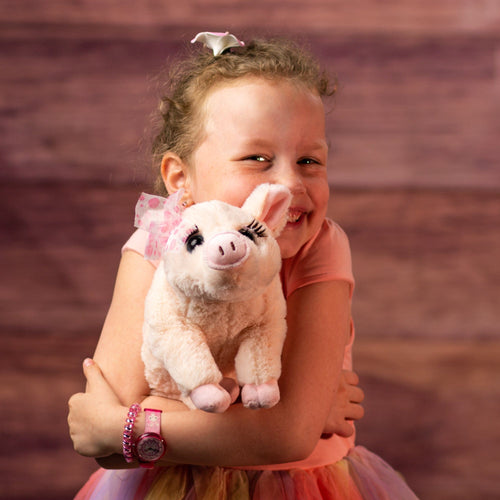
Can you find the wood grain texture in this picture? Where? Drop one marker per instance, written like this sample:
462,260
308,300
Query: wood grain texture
425,16
419,100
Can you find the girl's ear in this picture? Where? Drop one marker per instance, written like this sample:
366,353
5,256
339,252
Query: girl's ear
174,173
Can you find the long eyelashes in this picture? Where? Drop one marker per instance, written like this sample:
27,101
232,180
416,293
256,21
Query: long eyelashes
193,239
257,228
253,230
190,232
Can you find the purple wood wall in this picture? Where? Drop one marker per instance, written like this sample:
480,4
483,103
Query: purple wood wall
419,102
415,182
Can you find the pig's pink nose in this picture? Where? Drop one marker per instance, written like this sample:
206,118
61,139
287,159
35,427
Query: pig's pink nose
225,250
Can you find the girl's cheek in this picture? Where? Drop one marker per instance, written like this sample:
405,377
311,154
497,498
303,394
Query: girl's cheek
233,196
236,194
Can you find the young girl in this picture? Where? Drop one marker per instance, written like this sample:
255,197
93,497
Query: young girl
242,116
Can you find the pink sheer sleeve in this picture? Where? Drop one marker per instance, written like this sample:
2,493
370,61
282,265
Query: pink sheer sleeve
137,243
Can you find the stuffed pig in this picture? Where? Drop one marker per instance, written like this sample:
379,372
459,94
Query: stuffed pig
215,311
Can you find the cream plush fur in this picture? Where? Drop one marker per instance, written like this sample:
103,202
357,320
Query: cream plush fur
216,309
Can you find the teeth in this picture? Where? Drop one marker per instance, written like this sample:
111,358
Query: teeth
294,215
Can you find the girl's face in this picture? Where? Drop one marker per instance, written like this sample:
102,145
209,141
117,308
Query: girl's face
260,131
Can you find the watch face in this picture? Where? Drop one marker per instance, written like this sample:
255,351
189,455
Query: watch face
150,447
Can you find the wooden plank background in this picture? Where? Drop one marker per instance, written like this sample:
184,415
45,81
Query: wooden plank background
419,102
415,183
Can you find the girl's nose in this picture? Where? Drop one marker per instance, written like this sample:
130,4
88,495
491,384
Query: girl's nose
291,178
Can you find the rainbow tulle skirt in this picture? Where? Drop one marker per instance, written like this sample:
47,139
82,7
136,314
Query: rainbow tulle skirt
361,475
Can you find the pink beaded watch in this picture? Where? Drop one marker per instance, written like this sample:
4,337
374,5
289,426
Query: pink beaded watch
150,446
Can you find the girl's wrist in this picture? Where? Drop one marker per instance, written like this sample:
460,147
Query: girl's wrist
115,429
128,432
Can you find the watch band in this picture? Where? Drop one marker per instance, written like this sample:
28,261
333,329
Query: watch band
153,421
150,446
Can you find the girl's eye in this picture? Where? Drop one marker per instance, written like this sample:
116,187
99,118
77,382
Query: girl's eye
193,240
308,161
257,158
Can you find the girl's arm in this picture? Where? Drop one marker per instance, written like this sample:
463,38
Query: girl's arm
318,325
118,351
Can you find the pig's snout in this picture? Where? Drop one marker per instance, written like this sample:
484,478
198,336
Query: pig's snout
226,250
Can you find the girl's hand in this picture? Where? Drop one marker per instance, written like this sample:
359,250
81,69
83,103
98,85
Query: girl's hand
346,406
94,416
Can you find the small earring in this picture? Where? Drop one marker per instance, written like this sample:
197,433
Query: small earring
186,203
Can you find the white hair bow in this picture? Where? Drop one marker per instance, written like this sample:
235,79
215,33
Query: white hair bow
218,42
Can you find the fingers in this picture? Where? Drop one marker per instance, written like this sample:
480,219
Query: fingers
92,373
355,394
346,406
355,412
351,385
345,429
89,367
351,377
96,382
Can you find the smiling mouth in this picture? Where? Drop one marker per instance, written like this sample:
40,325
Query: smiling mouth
294,216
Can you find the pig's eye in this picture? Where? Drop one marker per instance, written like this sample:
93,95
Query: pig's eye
257,228
245,231
254,230
193,240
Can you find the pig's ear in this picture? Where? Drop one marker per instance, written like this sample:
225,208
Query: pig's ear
269,203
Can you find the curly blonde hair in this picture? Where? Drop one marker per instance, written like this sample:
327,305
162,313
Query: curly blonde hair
191,80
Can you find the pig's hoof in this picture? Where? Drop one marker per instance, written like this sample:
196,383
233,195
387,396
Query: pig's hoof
260,396
210,397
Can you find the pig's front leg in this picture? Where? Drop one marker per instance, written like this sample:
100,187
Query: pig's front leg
185,353
258,365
